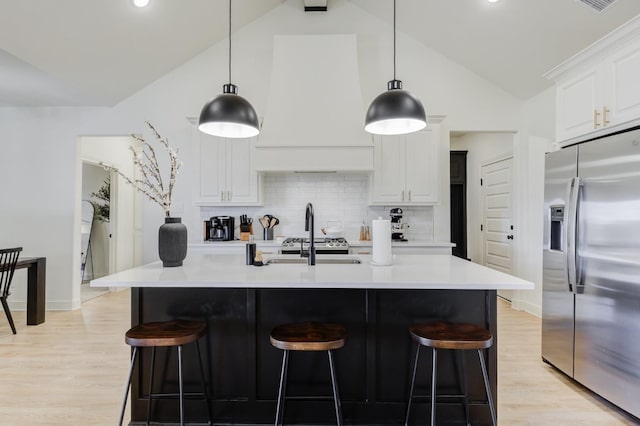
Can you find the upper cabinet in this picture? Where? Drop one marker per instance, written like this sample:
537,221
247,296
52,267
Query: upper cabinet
226,174
597,90
406,168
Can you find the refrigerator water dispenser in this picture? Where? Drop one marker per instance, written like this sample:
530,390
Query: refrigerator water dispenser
557,227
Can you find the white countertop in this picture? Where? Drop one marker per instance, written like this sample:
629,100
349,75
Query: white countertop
230,271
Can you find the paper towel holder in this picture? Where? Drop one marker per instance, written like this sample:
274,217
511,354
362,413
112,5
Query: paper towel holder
381,254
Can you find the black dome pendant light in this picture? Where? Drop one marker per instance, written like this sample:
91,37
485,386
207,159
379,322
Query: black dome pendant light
396,111
229,115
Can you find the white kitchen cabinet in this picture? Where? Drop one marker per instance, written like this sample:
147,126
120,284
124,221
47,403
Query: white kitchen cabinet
406,168
597,90
389,163
622,94
226,174
578,103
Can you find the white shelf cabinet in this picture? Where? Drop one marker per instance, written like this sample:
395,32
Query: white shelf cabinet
597,90
226,175
406,168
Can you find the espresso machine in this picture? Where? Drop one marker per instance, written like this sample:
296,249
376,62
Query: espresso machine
397,226
221,228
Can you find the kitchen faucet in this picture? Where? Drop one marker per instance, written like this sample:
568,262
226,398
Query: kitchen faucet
308,226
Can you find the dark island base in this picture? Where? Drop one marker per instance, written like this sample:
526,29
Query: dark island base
373,368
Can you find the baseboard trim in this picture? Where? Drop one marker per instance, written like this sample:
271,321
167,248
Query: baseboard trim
519,305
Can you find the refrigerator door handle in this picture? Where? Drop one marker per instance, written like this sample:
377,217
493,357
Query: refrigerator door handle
579,283
572,220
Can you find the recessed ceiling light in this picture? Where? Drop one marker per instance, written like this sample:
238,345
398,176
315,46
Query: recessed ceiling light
493,1
140,3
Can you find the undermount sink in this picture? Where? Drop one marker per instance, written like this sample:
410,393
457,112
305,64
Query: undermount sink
343,260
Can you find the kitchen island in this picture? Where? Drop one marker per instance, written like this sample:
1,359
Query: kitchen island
376,304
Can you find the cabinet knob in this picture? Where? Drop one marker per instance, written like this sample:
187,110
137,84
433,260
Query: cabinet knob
605,110
595,119
509,237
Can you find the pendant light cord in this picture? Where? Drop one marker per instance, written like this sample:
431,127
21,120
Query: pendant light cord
394,39
230,41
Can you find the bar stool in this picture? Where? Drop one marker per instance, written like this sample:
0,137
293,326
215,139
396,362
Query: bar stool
166,334
307,336
441,335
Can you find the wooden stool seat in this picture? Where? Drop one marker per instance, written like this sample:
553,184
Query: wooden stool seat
441,335
170,333
308,336
166,334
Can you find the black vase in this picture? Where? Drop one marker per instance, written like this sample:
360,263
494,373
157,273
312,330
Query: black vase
172,242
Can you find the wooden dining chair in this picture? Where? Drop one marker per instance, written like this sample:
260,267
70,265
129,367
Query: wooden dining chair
8,260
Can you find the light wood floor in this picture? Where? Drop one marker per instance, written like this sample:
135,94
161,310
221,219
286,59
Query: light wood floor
71,371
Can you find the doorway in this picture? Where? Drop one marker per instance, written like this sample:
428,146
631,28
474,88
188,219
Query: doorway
95,232
124,229
95,229
496,196
458,193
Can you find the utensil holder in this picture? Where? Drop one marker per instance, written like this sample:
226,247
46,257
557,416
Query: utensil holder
267,234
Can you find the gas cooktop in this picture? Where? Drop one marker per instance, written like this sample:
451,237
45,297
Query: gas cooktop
323,245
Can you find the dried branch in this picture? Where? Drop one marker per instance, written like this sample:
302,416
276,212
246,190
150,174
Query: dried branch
151,183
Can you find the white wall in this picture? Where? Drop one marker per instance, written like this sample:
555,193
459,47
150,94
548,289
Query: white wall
40,151
38,208
536,138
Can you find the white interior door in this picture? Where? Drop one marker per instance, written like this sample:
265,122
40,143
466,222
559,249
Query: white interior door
497,218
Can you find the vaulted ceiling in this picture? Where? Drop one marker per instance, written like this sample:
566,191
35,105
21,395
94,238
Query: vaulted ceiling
99,52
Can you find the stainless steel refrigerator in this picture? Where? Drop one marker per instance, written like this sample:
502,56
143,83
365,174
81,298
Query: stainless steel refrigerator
591,277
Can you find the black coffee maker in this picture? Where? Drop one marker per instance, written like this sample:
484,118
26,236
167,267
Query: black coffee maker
397,227
222,228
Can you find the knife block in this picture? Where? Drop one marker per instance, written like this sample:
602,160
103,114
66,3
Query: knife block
246,231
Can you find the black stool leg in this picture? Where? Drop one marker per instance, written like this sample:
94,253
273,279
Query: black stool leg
126,392
282,389
433,386
153,365
204,386
413,381
180,385
465,388
334,383
485,377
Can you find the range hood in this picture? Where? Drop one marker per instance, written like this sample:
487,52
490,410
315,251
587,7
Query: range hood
314,118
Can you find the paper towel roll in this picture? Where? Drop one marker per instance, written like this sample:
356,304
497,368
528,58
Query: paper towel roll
381,236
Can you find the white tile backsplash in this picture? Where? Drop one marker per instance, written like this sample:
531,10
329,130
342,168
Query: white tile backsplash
335,196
